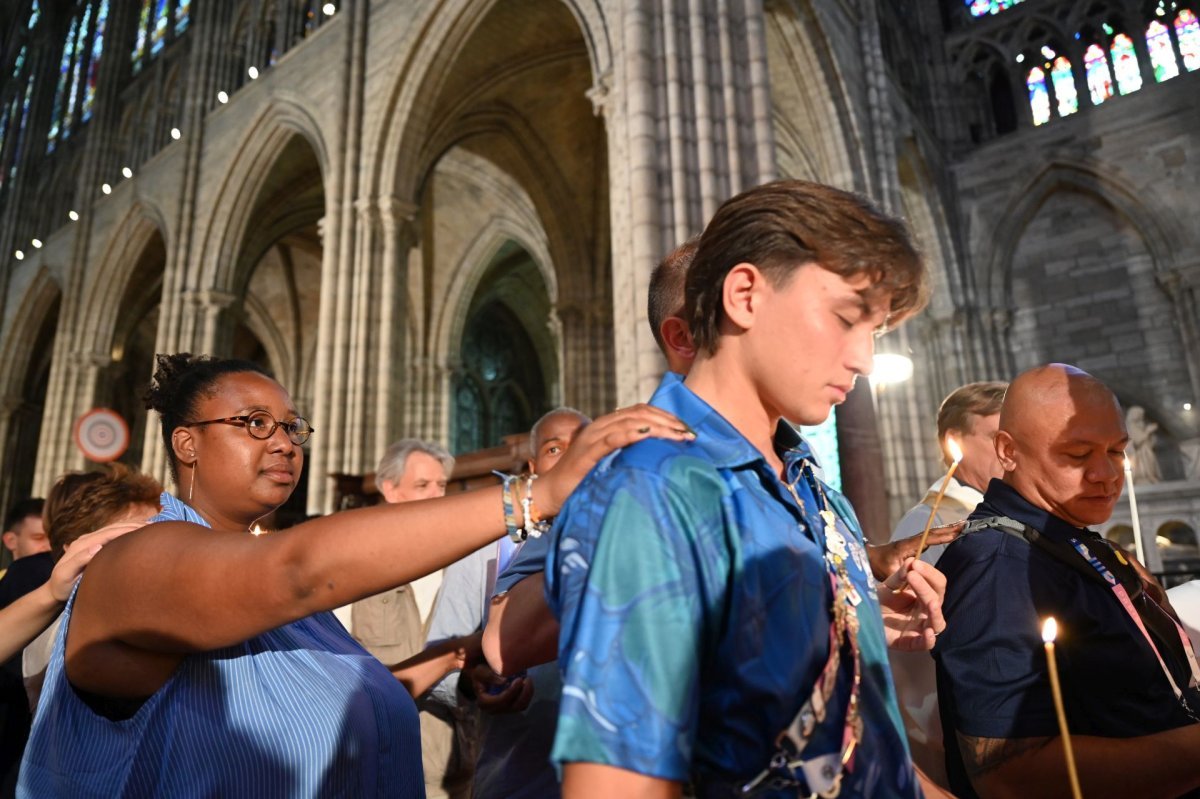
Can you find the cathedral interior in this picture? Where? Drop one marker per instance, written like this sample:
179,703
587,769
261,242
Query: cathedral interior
438,218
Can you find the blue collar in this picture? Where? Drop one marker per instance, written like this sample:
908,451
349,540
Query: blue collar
720,441
176,510
1005,499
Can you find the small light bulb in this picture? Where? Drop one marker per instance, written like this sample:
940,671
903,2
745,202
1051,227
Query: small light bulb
37,243
20,255
253,73
74,217
222,97
175,134
329,9
1020,58
1187,406
127,172
107,189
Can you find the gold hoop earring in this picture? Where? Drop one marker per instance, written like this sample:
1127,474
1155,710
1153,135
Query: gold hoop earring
192,484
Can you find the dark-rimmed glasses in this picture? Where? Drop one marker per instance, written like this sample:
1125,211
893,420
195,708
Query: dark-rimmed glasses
262,425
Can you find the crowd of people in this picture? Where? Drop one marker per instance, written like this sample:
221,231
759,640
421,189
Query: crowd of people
670,600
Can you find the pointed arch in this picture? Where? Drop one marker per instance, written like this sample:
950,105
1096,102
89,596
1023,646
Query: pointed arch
265,139
441,36
18,349
1152,220
103,294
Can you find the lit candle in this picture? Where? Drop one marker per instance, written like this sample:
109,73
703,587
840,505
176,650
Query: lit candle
257,530
1133,513
1049,633
956,454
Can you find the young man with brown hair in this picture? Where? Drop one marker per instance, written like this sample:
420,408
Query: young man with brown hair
720,625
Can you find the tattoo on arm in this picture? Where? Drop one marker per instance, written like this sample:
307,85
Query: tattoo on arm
982,756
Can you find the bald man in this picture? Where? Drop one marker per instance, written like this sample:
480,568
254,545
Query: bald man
1128,676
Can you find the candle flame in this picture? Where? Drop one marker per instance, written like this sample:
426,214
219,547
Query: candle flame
1128,463
955,450
1050,630
256,530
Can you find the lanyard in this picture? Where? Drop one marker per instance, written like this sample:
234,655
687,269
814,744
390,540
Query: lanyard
826,779
1123,597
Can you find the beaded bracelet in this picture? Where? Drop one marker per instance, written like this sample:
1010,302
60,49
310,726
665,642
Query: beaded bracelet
506,498
534,525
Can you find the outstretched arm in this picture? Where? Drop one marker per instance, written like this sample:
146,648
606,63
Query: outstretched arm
175,588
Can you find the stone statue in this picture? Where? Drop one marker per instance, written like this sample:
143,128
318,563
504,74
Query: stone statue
1142,436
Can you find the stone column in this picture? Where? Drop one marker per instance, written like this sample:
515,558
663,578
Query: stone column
399,234
338,450
688,122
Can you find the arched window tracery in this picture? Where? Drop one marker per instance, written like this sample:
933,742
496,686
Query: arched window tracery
160,22
78,71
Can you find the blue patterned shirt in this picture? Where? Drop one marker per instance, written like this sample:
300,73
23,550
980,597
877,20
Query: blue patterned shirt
695,612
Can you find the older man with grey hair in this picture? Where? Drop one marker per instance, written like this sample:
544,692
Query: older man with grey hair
392,625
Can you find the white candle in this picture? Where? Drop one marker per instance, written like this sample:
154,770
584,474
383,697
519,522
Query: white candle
1133,513
956,456
1049,633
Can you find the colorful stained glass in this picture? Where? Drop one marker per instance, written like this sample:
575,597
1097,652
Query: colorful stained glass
1162,54
19,64
93,72
1099,78
1187,31
1064,86
139,47
1129,76
60,93
20,133
981,8
158,35
1039,96
35,13
76,73
182,15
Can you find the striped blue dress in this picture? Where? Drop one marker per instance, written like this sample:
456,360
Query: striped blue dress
301,710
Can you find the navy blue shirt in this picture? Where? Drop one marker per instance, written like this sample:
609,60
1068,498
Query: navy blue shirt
991,663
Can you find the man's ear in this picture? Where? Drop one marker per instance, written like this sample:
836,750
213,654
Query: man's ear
389,489
183,442
10,541
1006,450
678,337
740,294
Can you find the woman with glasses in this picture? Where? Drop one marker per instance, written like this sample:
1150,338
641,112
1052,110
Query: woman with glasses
201,660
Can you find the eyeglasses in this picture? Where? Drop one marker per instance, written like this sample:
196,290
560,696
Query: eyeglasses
261,425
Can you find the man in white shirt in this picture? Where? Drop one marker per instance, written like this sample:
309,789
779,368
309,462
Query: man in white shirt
970,415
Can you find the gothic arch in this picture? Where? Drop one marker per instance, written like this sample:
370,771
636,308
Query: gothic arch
39,299
798,48
102,301
443,32
264,141
449,323
1150,218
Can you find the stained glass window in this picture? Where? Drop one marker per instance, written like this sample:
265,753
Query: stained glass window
981,8
182,15
93,72
1064,86
158,33
823,440
1039,96
80,49
139,47
60,93
1099,78
1187,31
159,23
19,139
1129,76
1162,54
